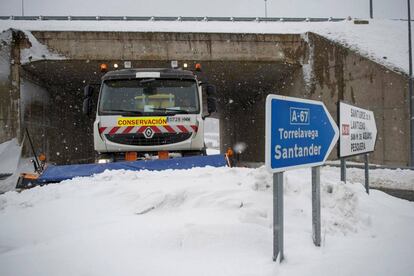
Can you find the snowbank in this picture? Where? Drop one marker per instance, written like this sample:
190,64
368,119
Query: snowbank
384,178
385,41
204,221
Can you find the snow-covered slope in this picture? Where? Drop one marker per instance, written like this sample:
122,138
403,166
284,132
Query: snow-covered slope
385,41
204,221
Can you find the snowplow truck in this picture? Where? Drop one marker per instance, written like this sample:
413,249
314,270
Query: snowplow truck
150,113
146,119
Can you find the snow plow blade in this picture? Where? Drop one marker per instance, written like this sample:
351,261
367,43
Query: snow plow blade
54,174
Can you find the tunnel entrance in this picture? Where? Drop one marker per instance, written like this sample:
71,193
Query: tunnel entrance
66,135
244,67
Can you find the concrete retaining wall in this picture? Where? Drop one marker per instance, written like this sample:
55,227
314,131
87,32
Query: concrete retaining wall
341,74
8,102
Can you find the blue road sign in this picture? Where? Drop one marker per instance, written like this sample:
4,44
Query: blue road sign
299,133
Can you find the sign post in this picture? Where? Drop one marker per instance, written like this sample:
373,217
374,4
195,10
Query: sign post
299,133
358,135
343,170
316,205
278,216
366,173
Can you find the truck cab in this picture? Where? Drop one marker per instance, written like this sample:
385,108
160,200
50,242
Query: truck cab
146,113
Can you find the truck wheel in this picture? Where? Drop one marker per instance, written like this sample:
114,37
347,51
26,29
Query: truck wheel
194,153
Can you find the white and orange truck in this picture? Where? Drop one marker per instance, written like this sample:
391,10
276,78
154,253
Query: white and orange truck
146,119
150,113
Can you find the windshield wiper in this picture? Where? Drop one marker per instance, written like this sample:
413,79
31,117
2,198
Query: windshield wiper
145,81
124,111
177,111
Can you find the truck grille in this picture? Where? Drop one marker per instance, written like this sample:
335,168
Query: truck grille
138,139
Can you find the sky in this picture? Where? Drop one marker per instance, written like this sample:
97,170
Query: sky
395,9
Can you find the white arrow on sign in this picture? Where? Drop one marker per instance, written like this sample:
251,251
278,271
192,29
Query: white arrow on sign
358,130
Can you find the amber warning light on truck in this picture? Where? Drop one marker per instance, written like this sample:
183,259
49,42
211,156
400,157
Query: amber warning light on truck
103,67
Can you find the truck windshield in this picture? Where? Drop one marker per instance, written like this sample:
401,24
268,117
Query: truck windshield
149,97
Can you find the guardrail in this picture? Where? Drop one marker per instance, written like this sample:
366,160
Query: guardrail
371,166
170,18
336,164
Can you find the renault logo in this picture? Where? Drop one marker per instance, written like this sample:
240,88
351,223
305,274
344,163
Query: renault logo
148,133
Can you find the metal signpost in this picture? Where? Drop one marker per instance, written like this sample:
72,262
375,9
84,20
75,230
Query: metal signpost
358,133
343,170
410,85
316,205
371,11
299,133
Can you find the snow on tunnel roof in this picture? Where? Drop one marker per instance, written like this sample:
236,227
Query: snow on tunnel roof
384,41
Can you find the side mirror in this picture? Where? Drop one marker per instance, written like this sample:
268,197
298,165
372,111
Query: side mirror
87,106
211,90
88,91
211,105
211,99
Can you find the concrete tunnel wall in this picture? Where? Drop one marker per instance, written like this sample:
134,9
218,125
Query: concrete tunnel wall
9,91
341,74
221,62
245,68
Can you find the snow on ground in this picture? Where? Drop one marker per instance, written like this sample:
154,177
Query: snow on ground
384,178
385,41
203,221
